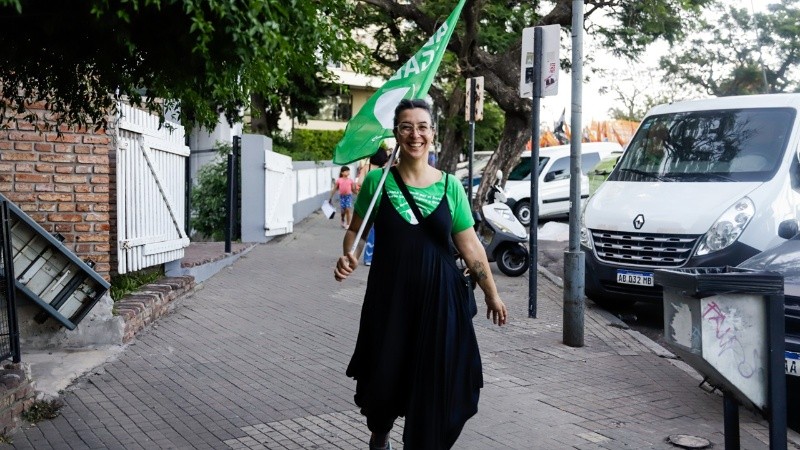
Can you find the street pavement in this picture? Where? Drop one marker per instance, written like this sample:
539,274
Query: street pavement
255,358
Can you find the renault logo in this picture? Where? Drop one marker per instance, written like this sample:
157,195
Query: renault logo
638,222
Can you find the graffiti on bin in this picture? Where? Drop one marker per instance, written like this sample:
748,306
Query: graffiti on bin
727,328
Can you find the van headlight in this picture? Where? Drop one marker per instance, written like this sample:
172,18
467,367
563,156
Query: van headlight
586,240
727,229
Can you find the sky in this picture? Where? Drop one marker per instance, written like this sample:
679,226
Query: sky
595,105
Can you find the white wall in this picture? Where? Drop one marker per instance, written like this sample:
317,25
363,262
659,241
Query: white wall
203,142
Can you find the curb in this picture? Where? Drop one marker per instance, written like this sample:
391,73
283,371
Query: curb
150,302
618,323
203,270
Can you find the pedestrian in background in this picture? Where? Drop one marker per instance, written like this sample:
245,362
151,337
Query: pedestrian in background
344,184
432,158
416,354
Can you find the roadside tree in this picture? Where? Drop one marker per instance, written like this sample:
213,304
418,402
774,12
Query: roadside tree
487,43
638,88
738,53
196,57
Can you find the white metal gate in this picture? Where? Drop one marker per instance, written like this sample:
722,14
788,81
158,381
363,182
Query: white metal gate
151,172
280,194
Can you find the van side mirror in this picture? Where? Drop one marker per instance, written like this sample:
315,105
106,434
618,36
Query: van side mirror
499,176
559,175
788,229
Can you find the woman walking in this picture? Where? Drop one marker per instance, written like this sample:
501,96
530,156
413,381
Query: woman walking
416,354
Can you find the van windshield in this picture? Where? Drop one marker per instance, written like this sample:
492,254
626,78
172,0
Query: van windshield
522,171
703,146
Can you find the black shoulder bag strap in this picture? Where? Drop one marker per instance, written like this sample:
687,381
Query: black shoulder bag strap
451,251
410,200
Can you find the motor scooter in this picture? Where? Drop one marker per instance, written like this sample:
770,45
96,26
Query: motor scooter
503,237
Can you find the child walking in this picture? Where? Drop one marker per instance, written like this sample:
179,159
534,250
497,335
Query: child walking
344,184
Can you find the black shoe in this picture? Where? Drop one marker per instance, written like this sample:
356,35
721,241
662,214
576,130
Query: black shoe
387,447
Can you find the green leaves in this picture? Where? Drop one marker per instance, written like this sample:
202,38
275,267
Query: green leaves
638,23
205,57
208,196
740,53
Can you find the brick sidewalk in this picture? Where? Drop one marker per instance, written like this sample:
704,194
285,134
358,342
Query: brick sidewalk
256,359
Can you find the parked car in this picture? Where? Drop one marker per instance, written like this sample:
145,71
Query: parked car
479,161
703,183
785,259
554,175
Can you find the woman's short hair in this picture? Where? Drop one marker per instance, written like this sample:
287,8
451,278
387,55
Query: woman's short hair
408,103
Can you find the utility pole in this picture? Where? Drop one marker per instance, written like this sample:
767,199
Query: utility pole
574,258
474,112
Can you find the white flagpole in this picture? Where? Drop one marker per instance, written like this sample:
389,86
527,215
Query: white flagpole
374,199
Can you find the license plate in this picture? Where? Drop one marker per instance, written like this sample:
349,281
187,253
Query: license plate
636,278
792,360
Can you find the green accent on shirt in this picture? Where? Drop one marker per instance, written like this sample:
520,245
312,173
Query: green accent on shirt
427,199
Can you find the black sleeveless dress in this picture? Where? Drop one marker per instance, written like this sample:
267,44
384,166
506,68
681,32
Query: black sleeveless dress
416,354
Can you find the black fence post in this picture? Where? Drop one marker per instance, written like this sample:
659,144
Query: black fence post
187,183
8,278
776,385
730,410
229,201
237,188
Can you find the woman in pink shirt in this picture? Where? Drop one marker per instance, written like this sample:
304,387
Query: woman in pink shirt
345,186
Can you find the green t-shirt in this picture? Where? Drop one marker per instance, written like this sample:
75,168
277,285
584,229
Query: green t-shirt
427,199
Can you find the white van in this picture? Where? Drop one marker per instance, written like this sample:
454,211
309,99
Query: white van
553,179
702,183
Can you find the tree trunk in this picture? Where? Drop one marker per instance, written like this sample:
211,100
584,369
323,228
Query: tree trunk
453,140
516,135
258,121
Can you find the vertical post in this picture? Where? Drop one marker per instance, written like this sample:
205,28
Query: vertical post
574,268
236,234
731,421
229,203
776,383
471,137
533,244
11,303
187,212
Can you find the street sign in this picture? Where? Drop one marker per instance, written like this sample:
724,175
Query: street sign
551,44
526,64
478,99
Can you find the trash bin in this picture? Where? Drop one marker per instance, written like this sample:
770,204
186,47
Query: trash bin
725,322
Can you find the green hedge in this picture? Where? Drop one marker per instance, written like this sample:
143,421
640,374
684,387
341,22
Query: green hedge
208,196
310,145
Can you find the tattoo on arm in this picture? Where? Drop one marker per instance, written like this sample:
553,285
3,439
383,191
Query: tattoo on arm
477,271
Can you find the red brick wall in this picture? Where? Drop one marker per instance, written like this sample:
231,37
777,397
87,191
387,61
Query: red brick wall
63,183
17,394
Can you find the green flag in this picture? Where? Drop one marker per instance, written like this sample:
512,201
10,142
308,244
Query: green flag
373,123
